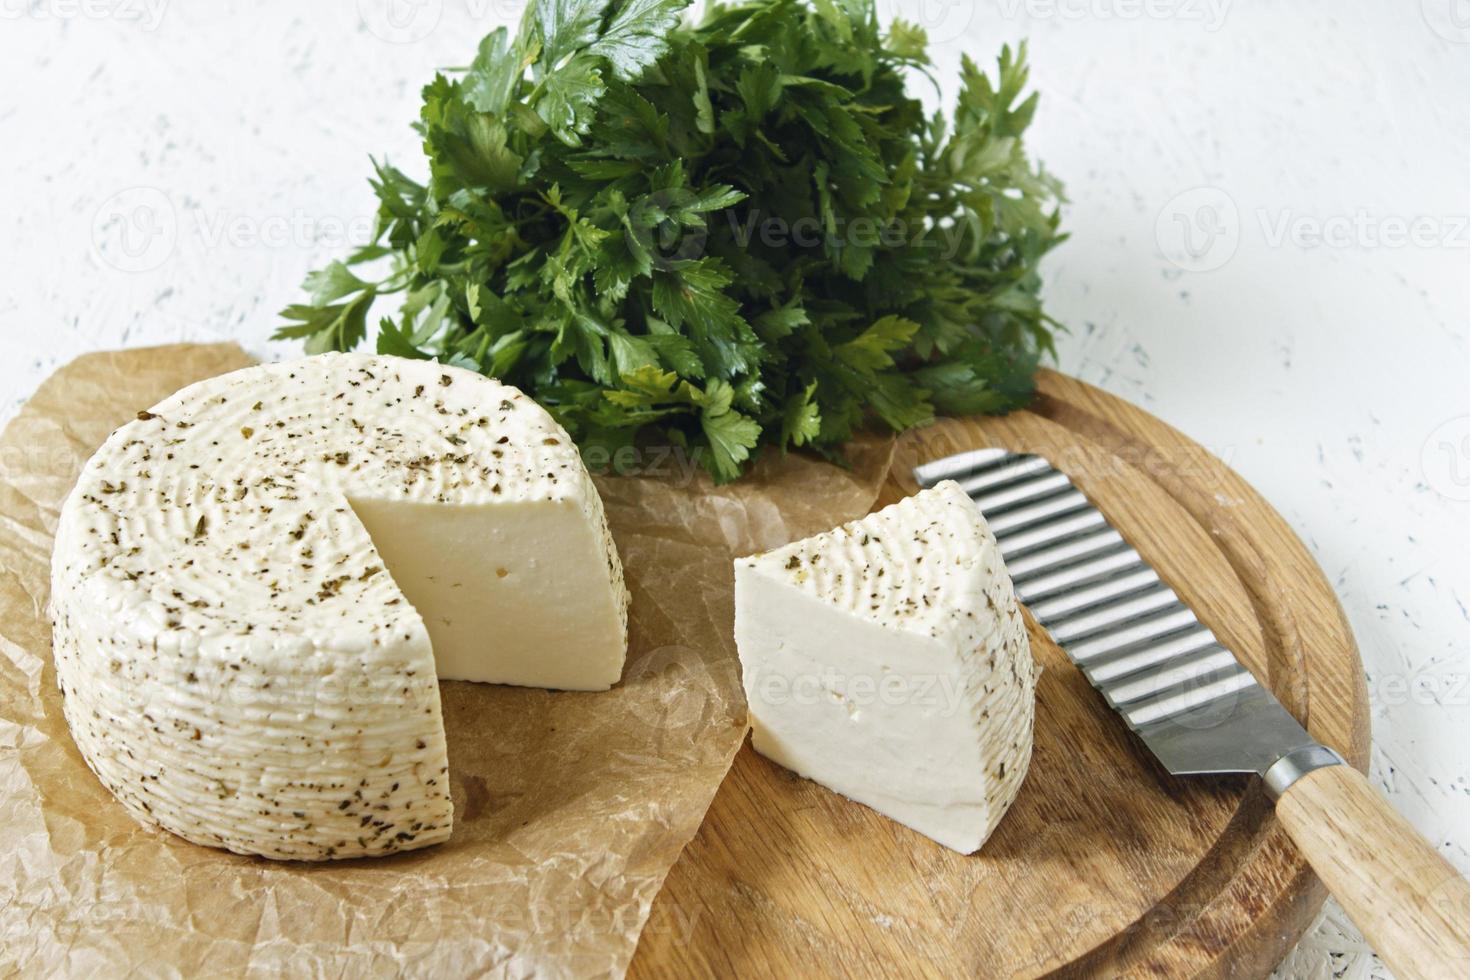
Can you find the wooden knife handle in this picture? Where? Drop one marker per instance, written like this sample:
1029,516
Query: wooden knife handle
1410,903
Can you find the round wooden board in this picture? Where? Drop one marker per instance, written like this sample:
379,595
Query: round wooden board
1105,865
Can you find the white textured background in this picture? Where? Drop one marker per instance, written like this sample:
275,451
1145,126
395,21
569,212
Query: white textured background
1271,250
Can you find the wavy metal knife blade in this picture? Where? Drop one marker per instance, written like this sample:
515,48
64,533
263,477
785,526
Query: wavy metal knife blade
1189,698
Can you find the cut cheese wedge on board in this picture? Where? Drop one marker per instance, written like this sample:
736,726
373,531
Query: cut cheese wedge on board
887,660
258,582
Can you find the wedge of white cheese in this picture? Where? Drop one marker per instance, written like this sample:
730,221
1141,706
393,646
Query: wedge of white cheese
887,660
257,583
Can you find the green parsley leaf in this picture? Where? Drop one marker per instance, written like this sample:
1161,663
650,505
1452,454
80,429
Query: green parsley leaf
637,35
721,235
566,26
569,100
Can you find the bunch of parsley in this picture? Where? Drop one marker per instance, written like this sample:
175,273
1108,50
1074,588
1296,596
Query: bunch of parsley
715,236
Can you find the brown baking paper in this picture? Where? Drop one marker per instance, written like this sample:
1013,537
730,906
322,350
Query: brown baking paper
569,807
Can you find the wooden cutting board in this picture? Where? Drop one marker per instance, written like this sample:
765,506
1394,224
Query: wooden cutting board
1106,865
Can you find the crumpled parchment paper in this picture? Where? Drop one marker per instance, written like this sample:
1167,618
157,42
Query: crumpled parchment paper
569,807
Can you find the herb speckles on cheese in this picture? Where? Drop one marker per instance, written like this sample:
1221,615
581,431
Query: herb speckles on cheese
887,659
238,665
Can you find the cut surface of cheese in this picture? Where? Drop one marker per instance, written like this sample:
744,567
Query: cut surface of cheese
258,582
887,660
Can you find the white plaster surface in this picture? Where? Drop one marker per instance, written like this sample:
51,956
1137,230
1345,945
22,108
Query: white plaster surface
1269,207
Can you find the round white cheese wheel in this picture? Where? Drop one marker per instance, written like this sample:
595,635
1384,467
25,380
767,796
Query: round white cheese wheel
253,580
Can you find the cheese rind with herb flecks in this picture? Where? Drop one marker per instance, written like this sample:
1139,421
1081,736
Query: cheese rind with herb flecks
887,660
258,582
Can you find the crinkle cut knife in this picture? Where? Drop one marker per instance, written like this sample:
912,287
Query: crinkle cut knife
1200,711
